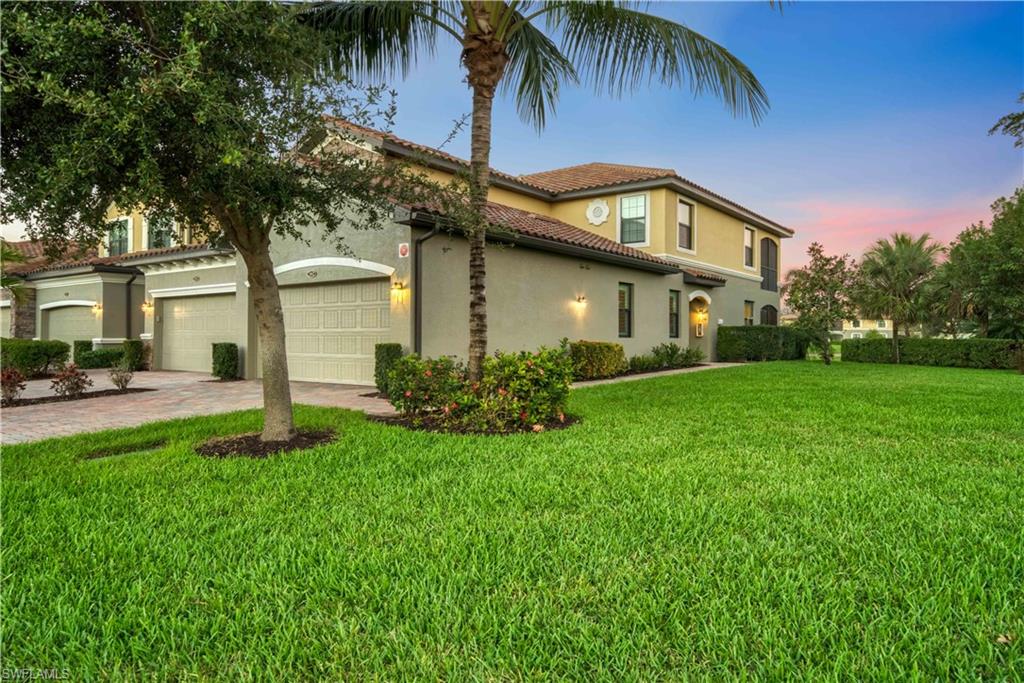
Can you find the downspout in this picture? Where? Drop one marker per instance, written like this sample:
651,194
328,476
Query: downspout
417,283
128,308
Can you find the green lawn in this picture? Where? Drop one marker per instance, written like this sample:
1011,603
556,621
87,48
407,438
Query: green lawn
781,520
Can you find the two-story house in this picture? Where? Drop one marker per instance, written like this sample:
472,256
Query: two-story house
599,251
861,327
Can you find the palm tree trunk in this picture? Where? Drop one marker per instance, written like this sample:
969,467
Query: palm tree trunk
480,154
278,423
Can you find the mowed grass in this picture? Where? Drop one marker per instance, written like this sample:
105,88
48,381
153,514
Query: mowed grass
780,520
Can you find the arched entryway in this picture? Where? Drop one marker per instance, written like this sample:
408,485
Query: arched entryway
700,320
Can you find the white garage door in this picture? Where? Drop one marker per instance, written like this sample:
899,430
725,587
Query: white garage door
71,323
5,321
332,329
190,325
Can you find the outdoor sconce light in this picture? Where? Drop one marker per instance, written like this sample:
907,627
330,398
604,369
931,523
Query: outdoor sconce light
581,300
701,320
397,286
97,309
147,307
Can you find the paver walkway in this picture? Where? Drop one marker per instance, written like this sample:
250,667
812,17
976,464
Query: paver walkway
188,394
179,394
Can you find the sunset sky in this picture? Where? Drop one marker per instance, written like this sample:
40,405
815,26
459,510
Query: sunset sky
879,119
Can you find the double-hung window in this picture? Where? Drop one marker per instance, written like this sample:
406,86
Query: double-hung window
685,225
854,323
748,313
159,232
748,247
625,309
633,219
674,296
881,324
117,236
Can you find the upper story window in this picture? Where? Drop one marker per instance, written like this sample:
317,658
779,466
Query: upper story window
117,236
633,219
854,323
625,309
748,313
685,227
674,297
769,315
160,232
769,265
748,247
881,324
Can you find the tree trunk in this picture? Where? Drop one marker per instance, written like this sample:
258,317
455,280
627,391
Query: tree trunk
278,423
480,169
826,350
485,59
896,341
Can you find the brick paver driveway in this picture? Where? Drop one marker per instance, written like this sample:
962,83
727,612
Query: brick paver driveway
179,394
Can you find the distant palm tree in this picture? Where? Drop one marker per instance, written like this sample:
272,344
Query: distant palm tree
9,255
606,44
892,280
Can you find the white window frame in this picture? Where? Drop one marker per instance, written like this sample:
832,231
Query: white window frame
693,227
175,233
881,325
647,218
856,335
747,230
855,324
131,235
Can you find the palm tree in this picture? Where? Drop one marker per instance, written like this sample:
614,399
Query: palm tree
893,277
9,255
608,45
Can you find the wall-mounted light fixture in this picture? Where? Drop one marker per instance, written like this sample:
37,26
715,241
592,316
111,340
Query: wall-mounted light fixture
397,286
700,319
147,307
581,300
97,309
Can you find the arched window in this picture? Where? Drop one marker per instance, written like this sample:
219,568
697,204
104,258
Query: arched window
769,265
769,315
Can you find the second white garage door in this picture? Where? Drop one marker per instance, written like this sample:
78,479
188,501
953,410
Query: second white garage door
72,323
191,324
332,329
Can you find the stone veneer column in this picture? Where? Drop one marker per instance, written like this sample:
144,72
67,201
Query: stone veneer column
23,315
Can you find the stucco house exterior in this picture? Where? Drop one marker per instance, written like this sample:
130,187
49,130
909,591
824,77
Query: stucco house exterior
600,251
858,329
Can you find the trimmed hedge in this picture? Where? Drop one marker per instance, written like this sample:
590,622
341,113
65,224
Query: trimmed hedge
33,358
225,360
998,354
384,358
760,342
135,354
100,358
596,360
80,346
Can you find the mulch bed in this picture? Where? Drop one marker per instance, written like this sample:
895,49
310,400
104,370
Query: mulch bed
62,399
430,424
250,446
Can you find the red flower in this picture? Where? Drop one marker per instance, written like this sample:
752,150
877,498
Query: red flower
522,416
408,393
501,391
428,373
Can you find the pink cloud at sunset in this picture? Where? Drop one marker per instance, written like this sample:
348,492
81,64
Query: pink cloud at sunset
851,227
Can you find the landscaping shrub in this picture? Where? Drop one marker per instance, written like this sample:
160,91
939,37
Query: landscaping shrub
665,357
70,381
645,362
79,347
134,354
106,357
225,360
122,373
594,360
384,357
33,358
760,342
518,391
953,353
12,383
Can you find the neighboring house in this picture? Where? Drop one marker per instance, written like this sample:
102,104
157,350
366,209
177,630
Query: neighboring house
858,329
599,251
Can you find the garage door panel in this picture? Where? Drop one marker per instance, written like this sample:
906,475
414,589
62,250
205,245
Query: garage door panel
71,323
191,325
332,329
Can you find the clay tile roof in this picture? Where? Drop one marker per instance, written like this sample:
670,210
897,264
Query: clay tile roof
30,249
176,249
543,227
36,259
704,275
596,174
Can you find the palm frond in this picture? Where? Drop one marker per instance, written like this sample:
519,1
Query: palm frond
379,39
536,70
618,49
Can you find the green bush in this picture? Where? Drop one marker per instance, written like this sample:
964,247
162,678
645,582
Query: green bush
760,342
134,354
518,391
225,360
106,357
80,346
645,362
665,357
594,360
951,353
384,358
33,358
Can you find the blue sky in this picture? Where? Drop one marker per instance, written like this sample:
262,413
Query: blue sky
879,117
